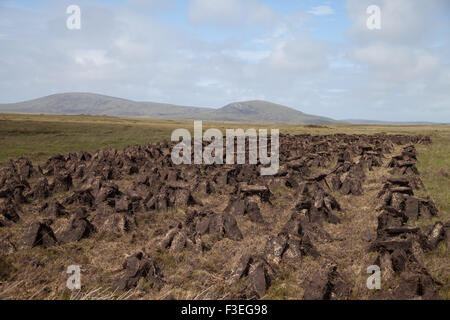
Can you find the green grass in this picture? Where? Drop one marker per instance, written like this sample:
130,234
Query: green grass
39,137
432,160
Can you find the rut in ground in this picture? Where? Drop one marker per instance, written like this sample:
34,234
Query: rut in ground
351,238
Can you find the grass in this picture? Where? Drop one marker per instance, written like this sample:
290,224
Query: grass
433,160
6,269
39,137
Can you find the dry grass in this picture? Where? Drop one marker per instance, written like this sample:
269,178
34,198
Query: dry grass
189,275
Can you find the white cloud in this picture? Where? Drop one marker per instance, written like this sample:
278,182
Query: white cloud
321,11
297,54
401,71
402,21
230,12
397,63
252,56
91,58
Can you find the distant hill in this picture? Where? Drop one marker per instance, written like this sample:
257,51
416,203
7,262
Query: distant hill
362,121
95,104
263,111
247,111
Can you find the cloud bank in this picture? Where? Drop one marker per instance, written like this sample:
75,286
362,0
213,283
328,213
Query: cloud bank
212,52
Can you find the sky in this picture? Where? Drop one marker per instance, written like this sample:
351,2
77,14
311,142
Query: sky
316,56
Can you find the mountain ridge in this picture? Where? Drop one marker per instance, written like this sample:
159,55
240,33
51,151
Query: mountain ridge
258,111
98,104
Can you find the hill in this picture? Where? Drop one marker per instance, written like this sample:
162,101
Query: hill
96,104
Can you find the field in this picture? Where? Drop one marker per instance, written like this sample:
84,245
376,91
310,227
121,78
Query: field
38,137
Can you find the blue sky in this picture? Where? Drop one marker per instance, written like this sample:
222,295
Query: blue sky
316,56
